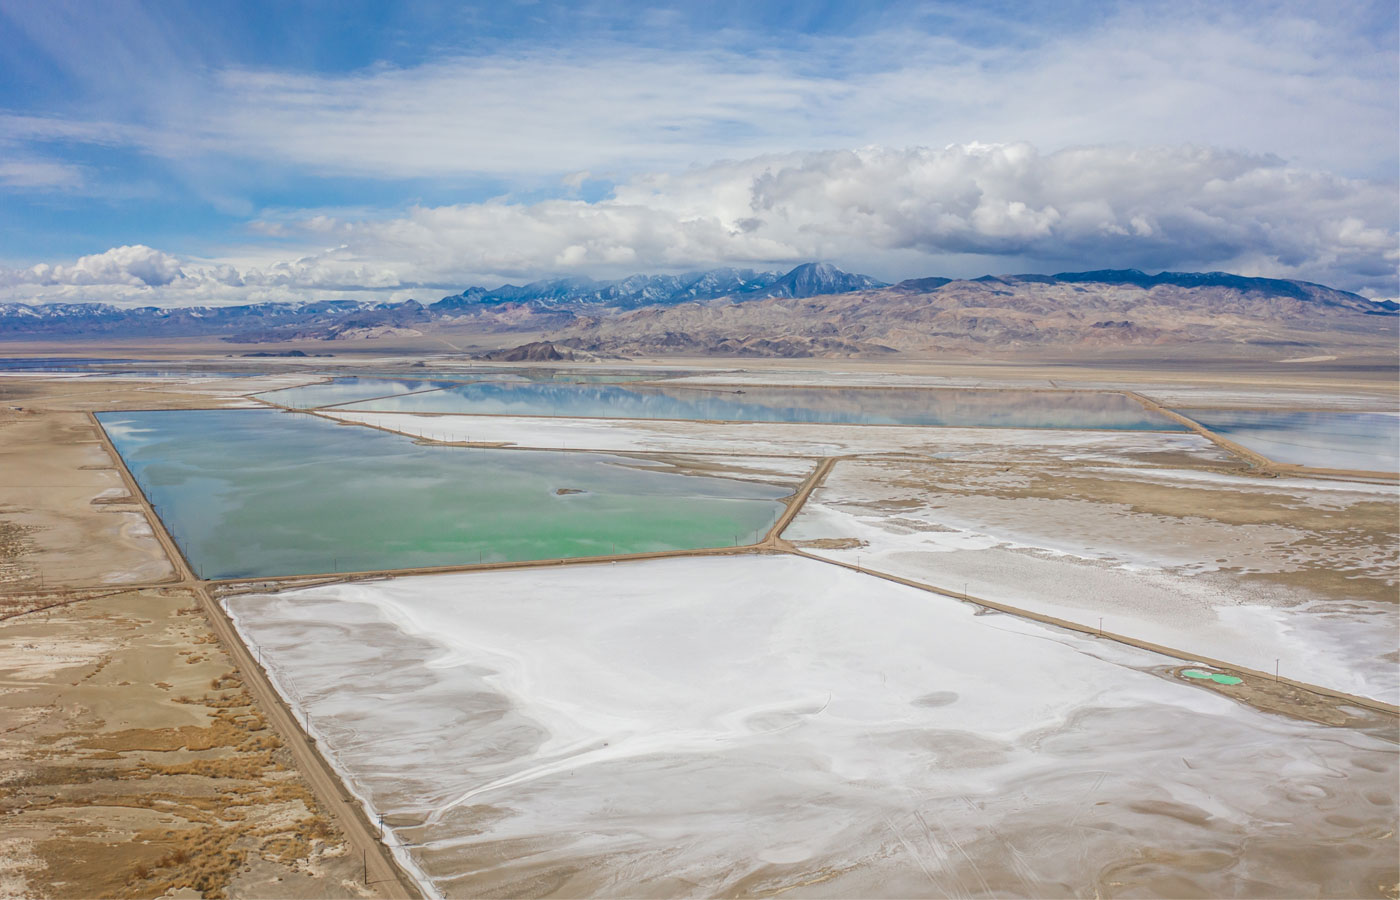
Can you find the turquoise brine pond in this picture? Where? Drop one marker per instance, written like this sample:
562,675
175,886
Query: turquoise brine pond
351,388
254,493
865,406
1367,442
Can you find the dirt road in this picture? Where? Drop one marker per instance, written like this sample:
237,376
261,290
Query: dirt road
382,872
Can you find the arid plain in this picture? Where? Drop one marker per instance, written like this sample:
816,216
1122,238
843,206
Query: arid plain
959,651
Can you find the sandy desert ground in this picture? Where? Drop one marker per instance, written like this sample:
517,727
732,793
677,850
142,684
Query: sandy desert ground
68,515
136,762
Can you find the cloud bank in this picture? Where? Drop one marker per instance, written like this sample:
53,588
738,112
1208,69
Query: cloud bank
1257,136
1315,88
892,212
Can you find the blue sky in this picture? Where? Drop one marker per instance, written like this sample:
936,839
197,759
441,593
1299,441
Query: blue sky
216,152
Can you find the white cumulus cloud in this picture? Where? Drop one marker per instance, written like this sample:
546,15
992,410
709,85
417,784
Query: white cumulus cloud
893,212
1184,207
132,266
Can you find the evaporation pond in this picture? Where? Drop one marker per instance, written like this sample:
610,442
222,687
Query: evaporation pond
345,390
1330,440
351,388
565,376
847,406
252,493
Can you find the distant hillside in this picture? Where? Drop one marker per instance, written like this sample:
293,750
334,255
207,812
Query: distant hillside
539,304
1110,308
807,280
814,310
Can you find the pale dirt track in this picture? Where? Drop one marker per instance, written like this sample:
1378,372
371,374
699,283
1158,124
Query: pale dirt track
382,872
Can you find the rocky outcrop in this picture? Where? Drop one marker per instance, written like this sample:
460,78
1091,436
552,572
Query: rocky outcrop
536,351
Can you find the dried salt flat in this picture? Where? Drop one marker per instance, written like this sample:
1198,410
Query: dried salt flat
1169,395
1241,586
794,439
756,725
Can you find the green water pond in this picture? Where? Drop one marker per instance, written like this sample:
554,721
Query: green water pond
253,493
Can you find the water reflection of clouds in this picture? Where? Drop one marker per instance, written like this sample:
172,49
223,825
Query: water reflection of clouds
867,406
1335,440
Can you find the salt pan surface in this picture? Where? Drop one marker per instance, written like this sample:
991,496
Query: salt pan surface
1164,579
699,727
789,439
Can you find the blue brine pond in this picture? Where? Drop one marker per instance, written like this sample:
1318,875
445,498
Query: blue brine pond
351,388
345,390
845,406
252,493
1367,442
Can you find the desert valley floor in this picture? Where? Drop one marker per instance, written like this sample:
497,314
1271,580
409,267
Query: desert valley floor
401,627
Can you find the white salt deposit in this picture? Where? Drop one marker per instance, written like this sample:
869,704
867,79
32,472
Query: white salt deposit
700,727
758,439
1163,579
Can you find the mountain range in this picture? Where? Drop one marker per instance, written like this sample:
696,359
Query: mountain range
814,309
1069,311
807,280
537,303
